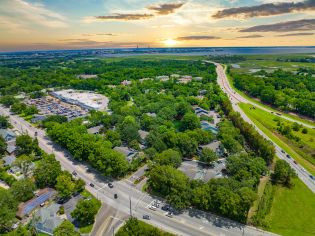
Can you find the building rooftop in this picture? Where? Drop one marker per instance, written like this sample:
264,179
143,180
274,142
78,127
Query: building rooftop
95,129
47,218
8,160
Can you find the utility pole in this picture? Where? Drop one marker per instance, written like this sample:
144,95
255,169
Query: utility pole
130,206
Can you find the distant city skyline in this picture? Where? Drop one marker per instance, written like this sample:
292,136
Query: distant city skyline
80,24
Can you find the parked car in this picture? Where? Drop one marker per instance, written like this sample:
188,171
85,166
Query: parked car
146,217
110,185
92,185
74,173
115,196
153,208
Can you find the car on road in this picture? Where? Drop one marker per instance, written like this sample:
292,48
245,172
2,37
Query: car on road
115,196
74,173
295,162
153,208
282,151
92,185
146,217
288,156
170,214
166,208
312,177
110,185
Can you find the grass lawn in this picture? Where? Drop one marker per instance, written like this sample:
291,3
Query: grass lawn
86,229
293,211
265,121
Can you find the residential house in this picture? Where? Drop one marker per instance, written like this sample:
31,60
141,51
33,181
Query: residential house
129,153
47,219
215,146
126,82
143,134
163,78
11,148
8,135
95,130
43,195
8,160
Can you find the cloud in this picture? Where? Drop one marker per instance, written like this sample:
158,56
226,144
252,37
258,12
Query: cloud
166,8
196,37
125,17
100,34
250,36
25,13
267,9
299,25
295,34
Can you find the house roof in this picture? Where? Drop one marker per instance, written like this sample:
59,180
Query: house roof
124,150
8,160
11,148
143,134
213,145
6,132
47,217
94,130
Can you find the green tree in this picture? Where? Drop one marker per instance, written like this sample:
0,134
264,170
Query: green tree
25,145
189,122
65,228
86,210
113,137
207,155
186,145
3,145
129,129
25,164
23,190
169,157
8,206
4,122
65,185
283,173
47,171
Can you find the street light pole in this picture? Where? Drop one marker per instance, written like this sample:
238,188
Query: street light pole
130,206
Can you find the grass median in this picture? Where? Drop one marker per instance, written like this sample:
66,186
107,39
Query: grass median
265,121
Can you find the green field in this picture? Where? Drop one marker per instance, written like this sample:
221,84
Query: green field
293,210
265,121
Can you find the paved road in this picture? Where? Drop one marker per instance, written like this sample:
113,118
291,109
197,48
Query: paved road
235,99
191,222
239,98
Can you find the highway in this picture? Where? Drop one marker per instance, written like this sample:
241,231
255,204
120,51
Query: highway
239,98
188,223
235,99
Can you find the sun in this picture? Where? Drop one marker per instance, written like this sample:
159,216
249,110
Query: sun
170,42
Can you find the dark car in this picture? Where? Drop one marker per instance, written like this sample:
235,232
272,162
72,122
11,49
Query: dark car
74,173
282,151
92,185
288,156
312,177
110,185
115,196
295,162
165,207
146,217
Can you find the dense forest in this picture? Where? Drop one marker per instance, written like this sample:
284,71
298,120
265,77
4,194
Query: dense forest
285,90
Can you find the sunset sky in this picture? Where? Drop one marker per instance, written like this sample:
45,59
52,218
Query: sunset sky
72,24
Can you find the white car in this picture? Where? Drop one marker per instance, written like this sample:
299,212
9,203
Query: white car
153,208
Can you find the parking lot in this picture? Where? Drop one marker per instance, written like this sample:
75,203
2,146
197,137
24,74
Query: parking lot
51,106
198,171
